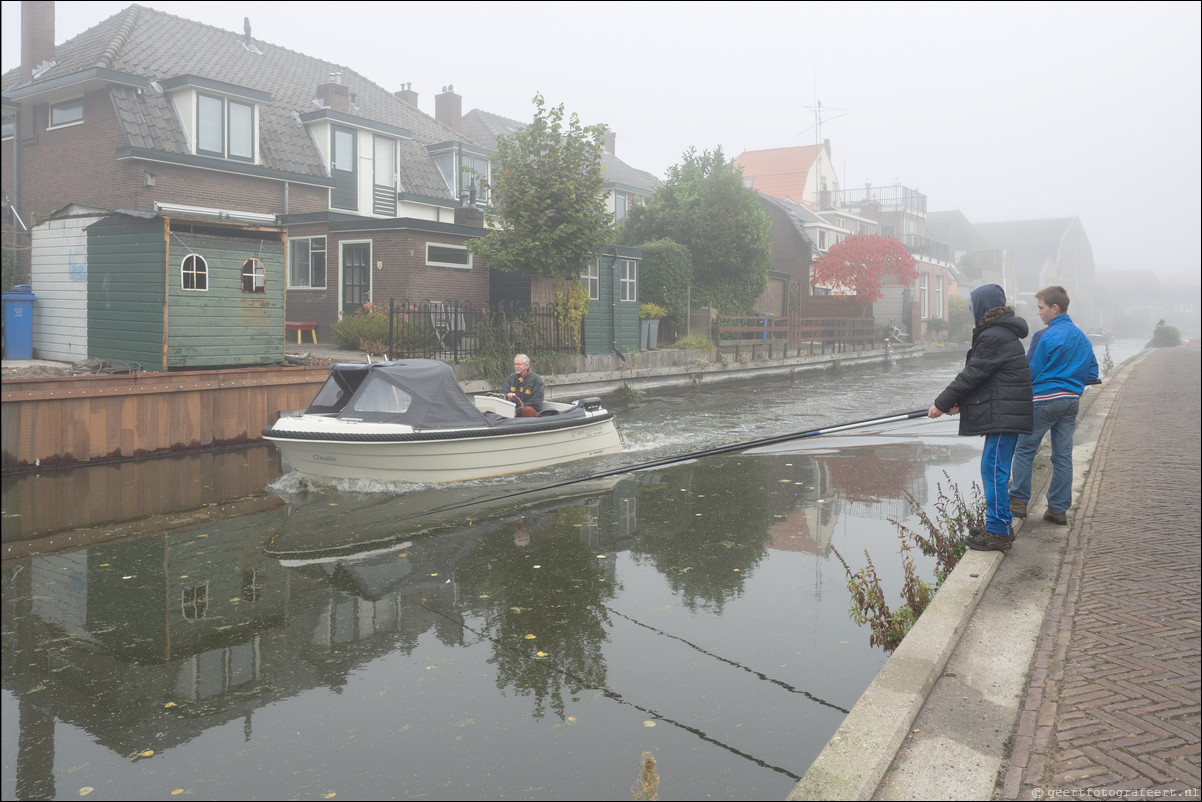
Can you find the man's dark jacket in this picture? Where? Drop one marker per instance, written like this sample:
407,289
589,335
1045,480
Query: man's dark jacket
993,390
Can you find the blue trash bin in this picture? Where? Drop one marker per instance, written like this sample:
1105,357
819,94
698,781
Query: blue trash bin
18,322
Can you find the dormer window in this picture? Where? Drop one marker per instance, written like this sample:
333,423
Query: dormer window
68,112
225,127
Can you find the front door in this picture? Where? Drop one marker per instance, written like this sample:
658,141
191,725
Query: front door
356,275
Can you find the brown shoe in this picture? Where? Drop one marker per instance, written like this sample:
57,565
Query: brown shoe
1018,507
988,541
1056,518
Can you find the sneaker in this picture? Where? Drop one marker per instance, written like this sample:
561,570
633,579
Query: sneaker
1018,507
989,542
1056,518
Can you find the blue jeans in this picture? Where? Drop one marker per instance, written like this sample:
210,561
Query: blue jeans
995,476
1059,416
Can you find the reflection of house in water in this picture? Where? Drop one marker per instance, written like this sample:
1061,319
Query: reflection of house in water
157,639
870,481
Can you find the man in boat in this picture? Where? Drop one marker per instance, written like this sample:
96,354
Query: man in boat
524,387
1062,364
992,396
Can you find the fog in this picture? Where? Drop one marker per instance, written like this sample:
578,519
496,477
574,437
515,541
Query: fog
1005,111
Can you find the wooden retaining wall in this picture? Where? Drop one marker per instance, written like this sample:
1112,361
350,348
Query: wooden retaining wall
83,419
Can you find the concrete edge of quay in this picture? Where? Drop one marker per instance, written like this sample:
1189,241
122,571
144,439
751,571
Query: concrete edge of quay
858,756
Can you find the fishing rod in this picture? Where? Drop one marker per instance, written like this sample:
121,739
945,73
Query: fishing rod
709,452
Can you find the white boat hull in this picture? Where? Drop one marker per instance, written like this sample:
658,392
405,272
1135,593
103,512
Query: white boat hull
455,459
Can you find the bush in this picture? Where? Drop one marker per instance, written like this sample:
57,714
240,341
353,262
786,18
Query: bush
1165,337
695,342
652,312
362,325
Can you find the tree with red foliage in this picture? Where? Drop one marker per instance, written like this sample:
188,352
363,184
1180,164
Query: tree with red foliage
857,264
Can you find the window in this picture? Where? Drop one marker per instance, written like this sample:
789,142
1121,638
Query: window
822,239
467,163
66,113
225,128
307,263
591,279
939,297
254,584
195,602
923,295
254,276
861,228
629,279
448,256
887,231
195,272
384,179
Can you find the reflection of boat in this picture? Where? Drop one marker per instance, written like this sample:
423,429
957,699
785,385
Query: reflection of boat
410,421
317,530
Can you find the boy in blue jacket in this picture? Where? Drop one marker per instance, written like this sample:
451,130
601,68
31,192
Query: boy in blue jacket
1062,363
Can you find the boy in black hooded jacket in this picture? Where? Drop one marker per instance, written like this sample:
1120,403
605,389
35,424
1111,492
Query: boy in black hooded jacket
992,395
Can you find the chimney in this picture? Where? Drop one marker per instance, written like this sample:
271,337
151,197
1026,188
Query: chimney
37,36
611,140
334,95
448,108
408,95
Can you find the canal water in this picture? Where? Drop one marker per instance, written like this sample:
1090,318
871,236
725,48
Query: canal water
213,626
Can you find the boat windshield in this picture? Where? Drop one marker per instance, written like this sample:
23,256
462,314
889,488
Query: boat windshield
336,391
381,396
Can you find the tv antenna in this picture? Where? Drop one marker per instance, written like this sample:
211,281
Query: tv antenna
818,120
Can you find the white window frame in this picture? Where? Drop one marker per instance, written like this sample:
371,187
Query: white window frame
939,298
591,279
311,250
453,265
183,271
63,106
628,279
924,295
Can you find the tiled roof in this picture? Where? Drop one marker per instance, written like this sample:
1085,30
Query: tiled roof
779,172
484,127
157,46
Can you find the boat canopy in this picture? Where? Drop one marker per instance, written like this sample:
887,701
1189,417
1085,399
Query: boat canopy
421,393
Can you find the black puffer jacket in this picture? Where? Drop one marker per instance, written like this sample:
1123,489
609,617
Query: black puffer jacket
993,390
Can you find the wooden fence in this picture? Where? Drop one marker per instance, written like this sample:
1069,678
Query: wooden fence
791,336
84,419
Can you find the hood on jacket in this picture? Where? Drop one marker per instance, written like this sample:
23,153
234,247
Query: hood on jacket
984,298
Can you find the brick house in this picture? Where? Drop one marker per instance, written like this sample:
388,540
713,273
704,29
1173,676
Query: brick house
152,113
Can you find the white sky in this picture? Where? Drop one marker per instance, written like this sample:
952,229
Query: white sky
1005,111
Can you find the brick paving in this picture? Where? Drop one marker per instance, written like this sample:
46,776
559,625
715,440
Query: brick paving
1113,705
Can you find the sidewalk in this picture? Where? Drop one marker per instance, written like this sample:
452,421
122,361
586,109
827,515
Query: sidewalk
1070,666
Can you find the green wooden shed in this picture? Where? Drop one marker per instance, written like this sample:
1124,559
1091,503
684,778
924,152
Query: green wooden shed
171,293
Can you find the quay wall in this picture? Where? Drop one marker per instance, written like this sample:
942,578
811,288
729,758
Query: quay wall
102,418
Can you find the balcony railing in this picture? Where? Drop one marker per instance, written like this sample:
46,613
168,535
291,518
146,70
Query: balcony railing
927,248
887,199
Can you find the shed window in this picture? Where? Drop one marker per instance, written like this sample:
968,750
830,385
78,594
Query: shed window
194,601
254,276
591,279
195,272
629,279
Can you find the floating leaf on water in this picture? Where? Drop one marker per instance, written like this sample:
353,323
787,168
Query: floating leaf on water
538,566
648,723
129,576
530,636
434,574
541,654
147,753
170,704
331,795
105,565
571,718
177,792
87,789
515,609
600,556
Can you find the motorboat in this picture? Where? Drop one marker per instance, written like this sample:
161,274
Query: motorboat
409,420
